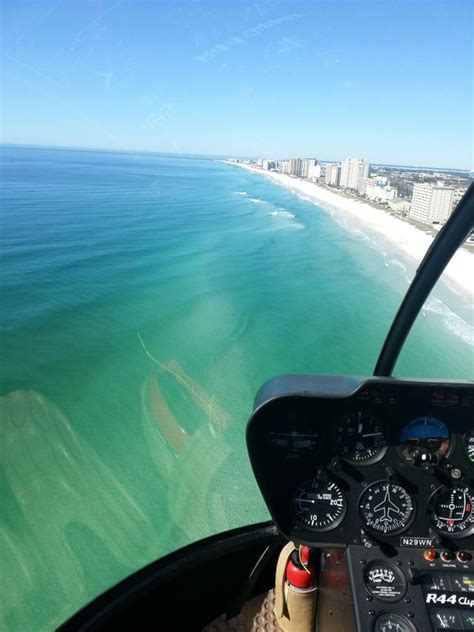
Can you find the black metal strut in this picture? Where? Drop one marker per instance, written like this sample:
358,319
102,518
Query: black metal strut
450,237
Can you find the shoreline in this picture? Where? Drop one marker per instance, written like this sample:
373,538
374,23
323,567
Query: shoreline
409,239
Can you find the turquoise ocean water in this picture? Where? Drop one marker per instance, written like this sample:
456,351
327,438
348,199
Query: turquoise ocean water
144,299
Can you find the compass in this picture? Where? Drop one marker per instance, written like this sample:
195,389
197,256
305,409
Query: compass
386,508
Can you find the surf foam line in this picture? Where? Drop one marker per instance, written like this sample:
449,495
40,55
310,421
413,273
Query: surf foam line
409,240
282,213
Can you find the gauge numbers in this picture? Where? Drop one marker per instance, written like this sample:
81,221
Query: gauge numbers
360,439
468,443
451,511
386,508
319,505
393,622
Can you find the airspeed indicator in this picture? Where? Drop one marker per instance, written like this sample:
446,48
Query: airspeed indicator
319,505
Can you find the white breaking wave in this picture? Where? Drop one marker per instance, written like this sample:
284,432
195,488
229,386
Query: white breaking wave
240,193
398,264
282,213
258,201
358,234
455,323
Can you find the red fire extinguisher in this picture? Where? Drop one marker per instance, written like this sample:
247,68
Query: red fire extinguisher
300,574
296,590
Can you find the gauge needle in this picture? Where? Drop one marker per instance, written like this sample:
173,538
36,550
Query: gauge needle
304,500
372,434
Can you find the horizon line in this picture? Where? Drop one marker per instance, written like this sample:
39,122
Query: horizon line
170,153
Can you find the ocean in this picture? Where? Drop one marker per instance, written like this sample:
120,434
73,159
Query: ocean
145,298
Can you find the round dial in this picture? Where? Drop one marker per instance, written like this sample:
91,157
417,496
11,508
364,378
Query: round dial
386,508
468,443
393,622
360,438
385,581
424,440
451,512
319,505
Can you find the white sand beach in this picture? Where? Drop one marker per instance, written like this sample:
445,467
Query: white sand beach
410,240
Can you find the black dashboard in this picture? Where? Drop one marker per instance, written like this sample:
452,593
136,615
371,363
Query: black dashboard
383,466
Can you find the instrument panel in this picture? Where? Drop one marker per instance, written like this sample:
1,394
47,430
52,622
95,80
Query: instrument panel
366,461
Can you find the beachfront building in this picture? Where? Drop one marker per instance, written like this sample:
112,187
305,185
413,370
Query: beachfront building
267,164
431,204
382,193
304,167
313,170
283,166
375,180
353,173
296,167
378,189
333,174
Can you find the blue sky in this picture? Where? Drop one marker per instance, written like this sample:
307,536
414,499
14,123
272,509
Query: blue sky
389,81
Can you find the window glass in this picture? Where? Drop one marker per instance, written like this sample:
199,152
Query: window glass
150,285
441,343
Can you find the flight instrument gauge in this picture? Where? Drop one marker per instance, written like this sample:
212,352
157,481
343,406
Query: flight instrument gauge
451,512
319,505
468,443
386,508
393,622
360,439
425,440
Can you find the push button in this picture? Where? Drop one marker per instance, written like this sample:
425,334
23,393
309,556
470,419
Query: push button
463,556
446,556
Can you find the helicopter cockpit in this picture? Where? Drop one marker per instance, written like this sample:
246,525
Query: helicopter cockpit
384,467
369,482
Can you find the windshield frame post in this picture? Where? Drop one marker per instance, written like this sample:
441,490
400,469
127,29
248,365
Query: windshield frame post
449,239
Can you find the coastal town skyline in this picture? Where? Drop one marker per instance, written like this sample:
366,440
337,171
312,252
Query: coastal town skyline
425,198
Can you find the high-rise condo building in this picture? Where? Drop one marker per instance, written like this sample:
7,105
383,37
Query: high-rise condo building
431,204
284,166
353,173
314,172
333,174
296,167
312,169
